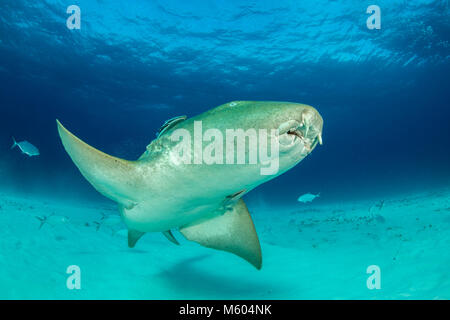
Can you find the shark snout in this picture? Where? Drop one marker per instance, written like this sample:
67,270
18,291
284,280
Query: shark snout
312,124
306,127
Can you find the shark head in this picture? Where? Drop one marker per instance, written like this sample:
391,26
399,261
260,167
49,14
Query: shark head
278,134
298,130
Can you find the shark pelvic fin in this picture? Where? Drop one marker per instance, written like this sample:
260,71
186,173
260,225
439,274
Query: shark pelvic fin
112,177
168,234
133,237
233,232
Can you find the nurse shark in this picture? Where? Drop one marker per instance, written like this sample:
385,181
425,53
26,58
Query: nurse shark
162,191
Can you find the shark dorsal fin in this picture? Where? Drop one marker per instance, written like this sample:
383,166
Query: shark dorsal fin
233,232
170,124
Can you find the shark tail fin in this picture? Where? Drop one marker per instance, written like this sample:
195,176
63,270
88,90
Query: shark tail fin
109,175
14,143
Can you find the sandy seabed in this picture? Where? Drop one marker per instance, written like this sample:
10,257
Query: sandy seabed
310,251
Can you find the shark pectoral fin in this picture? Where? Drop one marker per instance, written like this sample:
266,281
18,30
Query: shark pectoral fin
113,177
168,234
233,232
133,237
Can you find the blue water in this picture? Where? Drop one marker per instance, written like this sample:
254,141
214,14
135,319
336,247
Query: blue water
383,95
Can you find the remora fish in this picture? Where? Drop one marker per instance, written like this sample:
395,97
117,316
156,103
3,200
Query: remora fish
203,201
26,147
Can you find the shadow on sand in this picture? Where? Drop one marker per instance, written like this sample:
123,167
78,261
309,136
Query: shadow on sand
193,278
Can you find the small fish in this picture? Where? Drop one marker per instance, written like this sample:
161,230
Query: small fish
307,197
108,221
26,148
97,225
379,218
52,220
378,205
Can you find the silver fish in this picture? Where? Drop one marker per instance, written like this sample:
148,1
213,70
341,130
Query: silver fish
52,220
26,148
308,197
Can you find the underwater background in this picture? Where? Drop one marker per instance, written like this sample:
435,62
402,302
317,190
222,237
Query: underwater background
383,172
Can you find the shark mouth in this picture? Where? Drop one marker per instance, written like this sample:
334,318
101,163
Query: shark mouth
298,133
292,131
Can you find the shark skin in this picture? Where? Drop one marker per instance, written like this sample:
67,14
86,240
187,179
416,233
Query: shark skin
203,201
